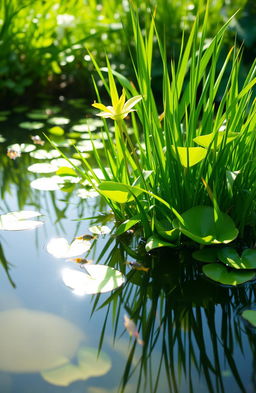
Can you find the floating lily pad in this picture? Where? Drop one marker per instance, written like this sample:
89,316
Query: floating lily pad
229,256
218,272
3,118
2,139
61,162
250,316
31,125
100,279
83,128
199,225
57,131
154,242
19,221
40,115
60,248
88,146
95,122
42,168
47,183
59,121
20,109
22,148
206,255
89,363
41,154
83,193
5,113
100,229
31,341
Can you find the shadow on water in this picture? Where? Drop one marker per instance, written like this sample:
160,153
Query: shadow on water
187,333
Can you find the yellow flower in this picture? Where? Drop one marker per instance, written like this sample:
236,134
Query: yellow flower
120,108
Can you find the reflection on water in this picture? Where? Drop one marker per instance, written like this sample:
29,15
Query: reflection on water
182,332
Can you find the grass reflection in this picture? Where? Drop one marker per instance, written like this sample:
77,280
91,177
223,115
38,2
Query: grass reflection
189,319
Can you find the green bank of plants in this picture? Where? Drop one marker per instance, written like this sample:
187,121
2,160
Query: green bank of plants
43,43
186,172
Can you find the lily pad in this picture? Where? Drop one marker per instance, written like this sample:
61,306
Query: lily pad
31,125
57,131
89,363
229,256
206,255
83,128
59,121
22,148
60,248
42,168
250,316
19,221
2,139
31,340
88,146
154,242
40,115
83,193
100,229
218,272
53,183
100,279
199,225
61,162
41,154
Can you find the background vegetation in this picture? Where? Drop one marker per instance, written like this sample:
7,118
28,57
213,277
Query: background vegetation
43,44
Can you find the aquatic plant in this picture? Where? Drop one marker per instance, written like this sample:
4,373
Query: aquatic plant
189,169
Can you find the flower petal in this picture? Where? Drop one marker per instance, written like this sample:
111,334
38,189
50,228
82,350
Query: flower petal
102,107
131,102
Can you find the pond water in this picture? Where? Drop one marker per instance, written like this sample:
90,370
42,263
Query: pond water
166,329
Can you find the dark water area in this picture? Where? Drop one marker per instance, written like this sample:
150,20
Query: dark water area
166,329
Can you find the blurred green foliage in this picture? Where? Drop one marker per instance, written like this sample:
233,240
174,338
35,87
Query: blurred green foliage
43,44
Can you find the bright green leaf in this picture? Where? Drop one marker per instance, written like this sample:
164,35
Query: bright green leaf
154,242
229,256
218,272
189,156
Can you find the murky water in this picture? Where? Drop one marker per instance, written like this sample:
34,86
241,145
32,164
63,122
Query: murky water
187,333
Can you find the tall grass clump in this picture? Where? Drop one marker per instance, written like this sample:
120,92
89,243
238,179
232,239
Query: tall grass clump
187,170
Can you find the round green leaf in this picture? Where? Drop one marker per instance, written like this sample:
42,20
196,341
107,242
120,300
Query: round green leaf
41,154
100,229
42,168
199,225
19,221
230,257
218,272
207,255
250,316
31,125
100,279
57,131
60,248
83,128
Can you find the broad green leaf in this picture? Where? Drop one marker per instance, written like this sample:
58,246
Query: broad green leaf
41,154
96,279
229,256
166,230
57,131
250,316
118,192
19,221
126,225
61,162
47,183
218,272
206,254
89,363
83,127
189,156
154,242
213,138
60,248
66,171
199,225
